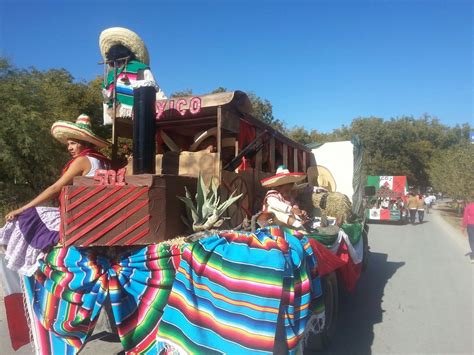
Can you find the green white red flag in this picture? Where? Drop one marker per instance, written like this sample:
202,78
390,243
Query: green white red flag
394,183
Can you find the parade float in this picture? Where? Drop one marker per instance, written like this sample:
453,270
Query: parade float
386,199
171,243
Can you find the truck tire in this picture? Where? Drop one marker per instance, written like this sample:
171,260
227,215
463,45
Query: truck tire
313,342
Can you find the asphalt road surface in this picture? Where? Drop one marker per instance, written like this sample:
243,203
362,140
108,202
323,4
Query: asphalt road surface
416,297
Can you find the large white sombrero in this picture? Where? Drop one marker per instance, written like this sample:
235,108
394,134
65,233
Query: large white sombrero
81,130
326,179
119,35
282,177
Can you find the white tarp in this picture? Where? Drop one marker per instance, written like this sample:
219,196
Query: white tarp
338,158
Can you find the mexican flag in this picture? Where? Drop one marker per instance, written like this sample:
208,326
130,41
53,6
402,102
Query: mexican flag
378,214
394,183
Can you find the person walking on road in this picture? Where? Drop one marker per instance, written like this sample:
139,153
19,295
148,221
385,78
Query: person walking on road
412,205
428,202
468,226
421,208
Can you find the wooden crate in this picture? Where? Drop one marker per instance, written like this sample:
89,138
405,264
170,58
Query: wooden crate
145,210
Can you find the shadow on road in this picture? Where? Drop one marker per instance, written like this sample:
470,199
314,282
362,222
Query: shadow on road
360,310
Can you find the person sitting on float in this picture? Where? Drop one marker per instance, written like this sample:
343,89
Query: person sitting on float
279,199
127,59
31,229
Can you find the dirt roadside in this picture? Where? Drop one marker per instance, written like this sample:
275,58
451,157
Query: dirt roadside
449,214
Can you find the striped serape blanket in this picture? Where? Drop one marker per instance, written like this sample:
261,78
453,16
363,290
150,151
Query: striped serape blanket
234,290
71,285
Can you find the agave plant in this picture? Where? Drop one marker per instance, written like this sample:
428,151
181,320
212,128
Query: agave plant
205,211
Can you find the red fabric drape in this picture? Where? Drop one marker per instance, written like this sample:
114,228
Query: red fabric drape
350,272
342,262
327,261
247,134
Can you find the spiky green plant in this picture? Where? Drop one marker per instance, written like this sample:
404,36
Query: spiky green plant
205,210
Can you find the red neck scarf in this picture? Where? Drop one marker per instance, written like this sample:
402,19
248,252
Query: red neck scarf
91,153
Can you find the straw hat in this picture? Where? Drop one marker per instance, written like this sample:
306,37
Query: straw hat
282,177
118,35
325,179
81,130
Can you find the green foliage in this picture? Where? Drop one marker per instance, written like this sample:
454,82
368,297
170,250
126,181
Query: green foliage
301,135
402,146
263,110
205,211
452,171
185,92
30,159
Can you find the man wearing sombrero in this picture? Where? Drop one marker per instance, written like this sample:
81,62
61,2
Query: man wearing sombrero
279,201
31,229
128,63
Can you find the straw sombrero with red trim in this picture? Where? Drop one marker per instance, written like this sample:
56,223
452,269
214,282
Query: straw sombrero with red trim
81,130
282,177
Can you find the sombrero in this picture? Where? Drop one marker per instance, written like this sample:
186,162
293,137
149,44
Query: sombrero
118,35
282,177
325,179
81,130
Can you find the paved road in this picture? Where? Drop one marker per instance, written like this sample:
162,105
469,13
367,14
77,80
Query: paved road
416,296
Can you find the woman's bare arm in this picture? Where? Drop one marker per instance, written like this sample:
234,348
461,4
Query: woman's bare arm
78,167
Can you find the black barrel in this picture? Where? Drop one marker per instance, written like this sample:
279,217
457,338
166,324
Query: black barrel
144,130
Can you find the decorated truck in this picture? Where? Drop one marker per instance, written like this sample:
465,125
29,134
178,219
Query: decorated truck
127,244
386,198
172,246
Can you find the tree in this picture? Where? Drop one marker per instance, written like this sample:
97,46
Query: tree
31,101
452,171
185,92
263,110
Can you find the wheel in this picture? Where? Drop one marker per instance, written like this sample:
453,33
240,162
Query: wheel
320,341
241,208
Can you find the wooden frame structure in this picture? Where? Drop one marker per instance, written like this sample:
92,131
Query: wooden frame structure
204,134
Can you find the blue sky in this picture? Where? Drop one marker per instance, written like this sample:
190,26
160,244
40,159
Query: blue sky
320,63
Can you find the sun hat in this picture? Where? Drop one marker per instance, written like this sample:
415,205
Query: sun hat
326,179
81,130
122,36
282,177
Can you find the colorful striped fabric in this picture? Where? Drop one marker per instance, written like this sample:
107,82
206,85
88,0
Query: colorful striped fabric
72,284
231,288
126,77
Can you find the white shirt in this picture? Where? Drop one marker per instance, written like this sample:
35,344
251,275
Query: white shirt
96,164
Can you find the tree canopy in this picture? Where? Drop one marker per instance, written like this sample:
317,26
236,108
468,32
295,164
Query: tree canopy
452,171
399,146
31,101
